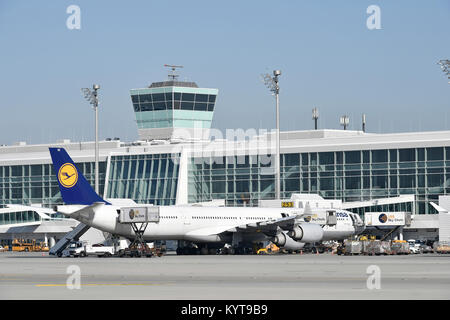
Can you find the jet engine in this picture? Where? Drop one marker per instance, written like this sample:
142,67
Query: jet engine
307,233
283,240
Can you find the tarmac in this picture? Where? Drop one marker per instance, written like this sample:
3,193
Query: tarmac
222,277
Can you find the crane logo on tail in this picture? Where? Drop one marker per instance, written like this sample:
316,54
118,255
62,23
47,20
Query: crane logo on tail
68,175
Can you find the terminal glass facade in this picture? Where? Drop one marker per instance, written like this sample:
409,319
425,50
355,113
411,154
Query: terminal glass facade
145,178
244,180
347,175
37,184
240,180
18,217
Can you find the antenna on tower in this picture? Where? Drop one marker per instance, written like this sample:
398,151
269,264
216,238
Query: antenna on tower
173,76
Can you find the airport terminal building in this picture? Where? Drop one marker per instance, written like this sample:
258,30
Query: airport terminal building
176,162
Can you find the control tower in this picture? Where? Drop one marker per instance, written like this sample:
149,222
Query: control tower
165,107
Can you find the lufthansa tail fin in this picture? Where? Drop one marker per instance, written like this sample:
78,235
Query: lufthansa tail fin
74,187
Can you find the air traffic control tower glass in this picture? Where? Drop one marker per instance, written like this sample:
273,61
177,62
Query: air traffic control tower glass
168,105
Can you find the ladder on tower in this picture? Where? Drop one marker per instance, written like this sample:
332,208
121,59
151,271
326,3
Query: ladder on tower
73,235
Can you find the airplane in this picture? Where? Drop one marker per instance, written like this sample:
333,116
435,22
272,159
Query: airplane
285,227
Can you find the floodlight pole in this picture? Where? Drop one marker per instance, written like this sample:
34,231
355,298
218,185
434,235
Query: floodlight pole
364,122
276,74
344,122
445,66
92,97
315,116
272,84
96,87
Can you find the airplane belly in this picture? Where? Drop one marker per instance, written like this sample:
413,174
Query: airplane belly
163,231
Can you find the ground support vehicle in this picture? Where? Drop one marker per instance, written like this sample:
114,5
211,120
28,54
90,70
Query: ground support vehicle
400,247
441,247
22,245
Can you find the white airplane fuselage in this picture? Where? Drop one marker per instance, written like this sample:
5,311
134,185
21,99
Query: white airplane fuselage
203,224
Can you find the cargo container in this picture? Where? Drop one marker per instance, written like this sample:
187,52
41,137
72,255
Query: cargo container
441,247
400,247
352,247
382,247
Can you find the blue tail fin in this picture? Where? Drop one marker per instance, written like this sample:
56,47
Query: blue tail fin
74,187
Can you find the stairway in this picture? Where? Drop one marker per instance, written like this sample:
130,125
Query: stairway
73,235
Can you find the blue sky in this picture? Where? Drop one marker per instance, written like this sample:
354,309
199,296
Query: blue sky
328,57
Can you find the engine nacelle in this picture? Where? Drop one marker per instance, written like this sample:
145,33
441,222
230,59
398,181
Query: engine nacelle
307,233
280,239
283,240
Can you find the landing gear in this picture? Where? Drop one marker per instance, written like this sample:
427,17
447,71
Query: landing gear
195,249
188,249
237,250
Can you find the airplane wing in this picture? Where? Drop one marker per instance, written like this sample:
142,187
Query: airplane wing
266,227
87,212
270,227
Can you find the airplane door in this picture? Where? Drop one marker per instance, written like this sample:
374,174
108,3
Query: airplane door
368,218
331,218
187,219
353,219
